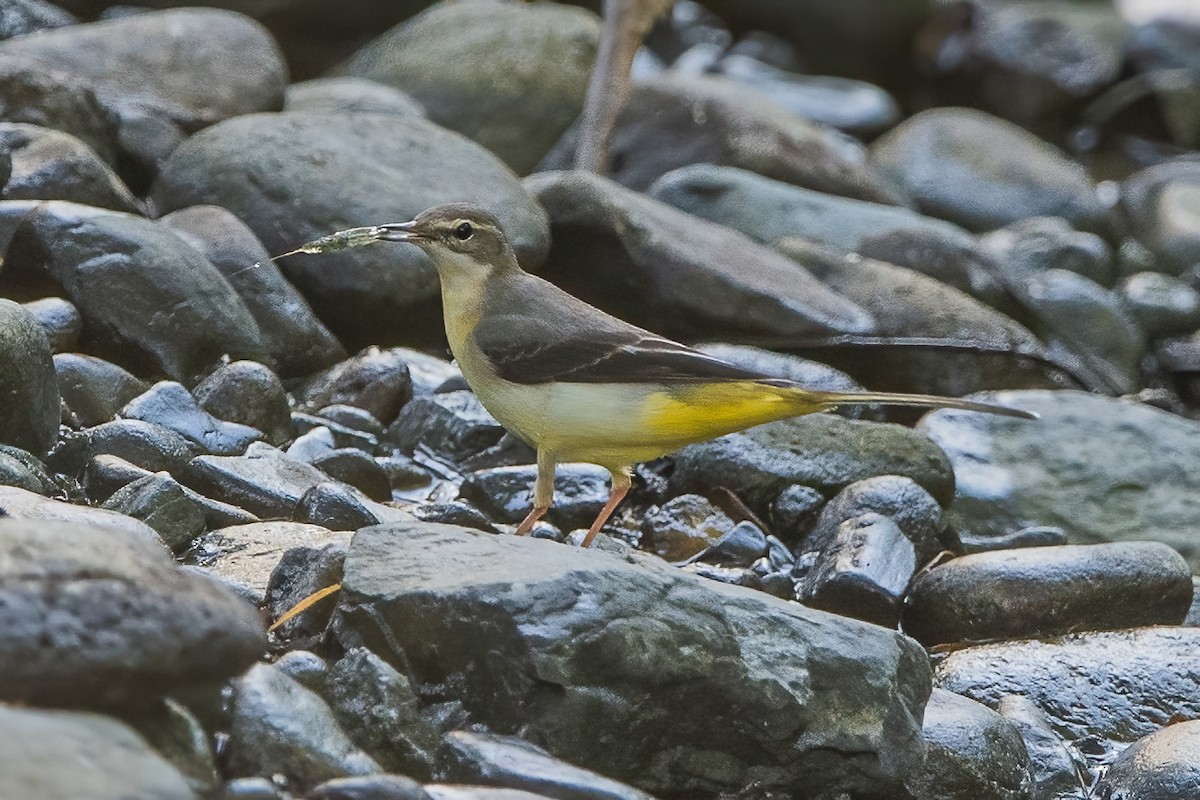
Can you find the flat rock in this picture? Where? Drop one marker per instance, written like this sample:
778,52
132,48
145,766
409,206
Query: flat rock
53,165
35,509
519,78
96,616
1099,468
656,266
170,405
1162,766
1112,686
594,628
1047,591
148,300
247,554
983,173
149,446
28,384
373,168
64,755
264,481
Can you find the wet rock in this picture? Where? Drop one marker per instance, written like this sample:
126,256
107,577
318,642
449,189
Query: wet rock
403,472
794,510
823,451
94,756
971,752
374,380
98,616
59,319
249,394
148,299
863,571
356,419
901,499
1046,591
768,210
380,711
454,424
249,553
670,122
1136,680
983,172
1100,469
656,266
506,493
296,341
428,373
264,481
358,469
29,414
1159,205
605,633
149,446
1038,244
375,167
279,727
369,787
742,546
312,444
94,389
26,16
18,472
337,436
684,526
105,474
1051,760
160,502
350,95
52,165
177,735
41,94
1161,304
252,789
168,404
545,53
461,513
340,507
302,571
172,71
1162,766
509,762
446,791
36,508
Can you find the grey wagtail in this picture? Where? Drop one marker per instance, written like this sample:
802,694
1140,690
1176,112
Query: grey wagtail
580,385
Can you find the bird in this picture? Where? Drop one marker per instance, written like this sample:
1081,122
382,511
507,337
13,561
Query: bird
578,384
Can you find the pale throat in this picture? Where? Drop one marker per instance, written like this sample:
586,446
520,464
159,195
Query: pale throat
462,279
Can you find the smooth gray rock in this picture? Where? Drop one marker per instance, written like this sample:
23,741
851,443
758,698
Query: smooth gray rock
160,502
19,17
1163,305
378,381
1046,591
823,451
296,341
655,266
519,78
94,389
60,320
264,481
177,735
1160,206
20,469
369,787
1052,762
300,572
148,299
350,95
983,173
577,650
454,424
62,755
250,394
356,468
170,405
506,493
1136,680
149,446
43,94
1099,468
53,165
672,121
375,168
1162,766
96,616
24,505
30,412
971,752
901,499
1040,243
279,727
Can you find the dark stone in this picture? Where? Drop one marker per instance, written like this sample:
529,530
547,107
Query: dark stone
349,95
105,474
42,94
656,266
506,493
149,446
264,481
374,380
279,727
1162,304
1162,766
1159,206
1040,243
971,752
404,473
337,435
984,173
94,756
354,418
177,735
508,452
456,512
252,789
30,411
863,571
508,762
96,616
250,394
454,424
898,498
793,512
52,165
428,373
358,469
580,645
295,340
146,297
160,502
823,451
60,320
250,554
550,48
375,168
740,547
301,572
336,506
369,787
168,404
1046,591
1051,760
1035,536
19,472
683,527
94,389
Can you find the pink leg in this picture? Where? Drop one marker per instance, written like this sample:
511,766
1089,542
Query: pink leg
620,487
543,493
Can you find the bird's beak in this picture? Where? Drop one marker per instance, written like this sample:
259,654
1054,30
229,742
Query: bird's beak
402,232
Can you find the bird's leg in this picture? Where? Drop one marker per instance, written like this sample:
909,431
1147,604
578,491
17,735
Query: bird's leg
621,481
543,492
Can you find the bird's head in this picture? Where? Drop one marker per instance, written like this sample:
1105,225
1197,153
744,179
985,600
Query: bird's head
460,238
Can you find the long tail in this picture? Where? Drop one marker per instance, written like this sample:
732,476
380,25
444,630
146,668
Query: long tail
920,400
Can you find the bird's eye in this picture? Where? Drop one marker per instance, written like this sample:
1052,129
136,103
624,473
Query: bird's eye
464,231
